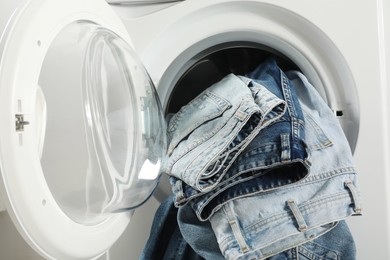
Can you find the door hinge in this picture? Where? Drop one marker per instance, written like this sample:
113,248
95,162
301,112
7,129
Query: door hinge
20,123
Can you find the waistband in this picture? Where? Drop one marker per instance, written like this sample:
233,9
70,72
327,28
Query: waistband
285,219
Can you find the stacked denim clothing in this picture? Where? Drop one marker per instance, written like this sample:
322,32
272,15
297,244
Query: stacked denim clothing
277,146
263,164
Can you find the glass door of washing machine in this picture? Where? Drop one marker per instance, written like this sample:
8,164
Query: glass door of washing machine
83,136
104,137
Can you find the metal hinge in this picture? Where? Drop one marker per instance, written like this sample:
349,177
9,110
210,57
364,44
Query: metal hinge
20,123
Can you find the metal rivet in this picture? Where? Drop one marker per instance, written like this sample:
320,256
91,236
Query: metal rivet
20,123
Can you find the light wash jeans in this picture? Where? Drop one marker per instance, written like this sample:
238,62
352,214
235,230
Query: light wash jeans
195,240
269,222
277,156
336,244
208,134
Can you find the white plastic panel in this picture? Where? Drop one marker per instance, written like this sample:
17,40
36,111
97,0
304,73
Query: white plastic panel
2,206
354,35
28,197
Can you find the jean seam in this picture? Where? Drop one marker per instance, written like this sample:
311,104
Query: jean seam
355,197
306,208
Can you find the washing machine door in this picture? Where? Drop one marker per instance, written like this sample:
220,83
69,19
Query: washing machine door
82,134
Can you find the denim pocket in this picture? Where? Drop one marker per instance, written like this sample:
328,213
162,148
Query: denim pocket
315,251
205,107
315,137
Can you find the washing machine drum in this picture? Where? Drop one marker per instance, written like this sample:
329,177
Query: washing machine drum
83,134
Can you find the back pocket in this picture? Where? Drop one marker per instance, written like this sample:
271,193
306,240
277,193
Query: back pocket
316,138
205,107
314,251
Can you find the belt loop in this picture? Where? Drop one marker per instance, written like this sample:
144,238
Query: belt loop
287,94
241,115
302,227
355,197
233,222
179,197
285,145
291,106
246,80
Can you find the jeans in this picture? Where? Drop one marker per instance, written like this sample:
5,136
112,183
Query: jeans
165,240
277,156
269,222
190,239
208,134
337,244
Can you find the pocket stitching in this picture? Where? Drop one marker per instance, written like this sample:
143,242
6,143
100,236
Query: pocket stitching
222,105
323,141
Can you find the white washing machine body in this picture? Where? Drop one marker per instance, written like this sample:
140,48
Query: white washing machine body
342,52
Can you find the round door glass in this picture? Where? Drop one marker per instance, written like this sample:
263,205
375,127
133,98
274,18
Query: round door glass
103,135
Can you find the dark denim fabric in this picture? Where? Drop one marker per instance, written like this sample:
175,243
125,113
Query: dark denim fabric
165,240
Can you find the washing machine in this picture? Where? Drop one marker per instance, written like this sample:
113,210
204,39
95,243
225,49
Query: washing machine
85,85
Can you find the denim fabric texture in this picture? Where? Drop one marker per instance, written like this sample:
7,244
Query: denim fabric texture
165,240
198,234
337,244
191,239
277,156
261,169
268,223
208,134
